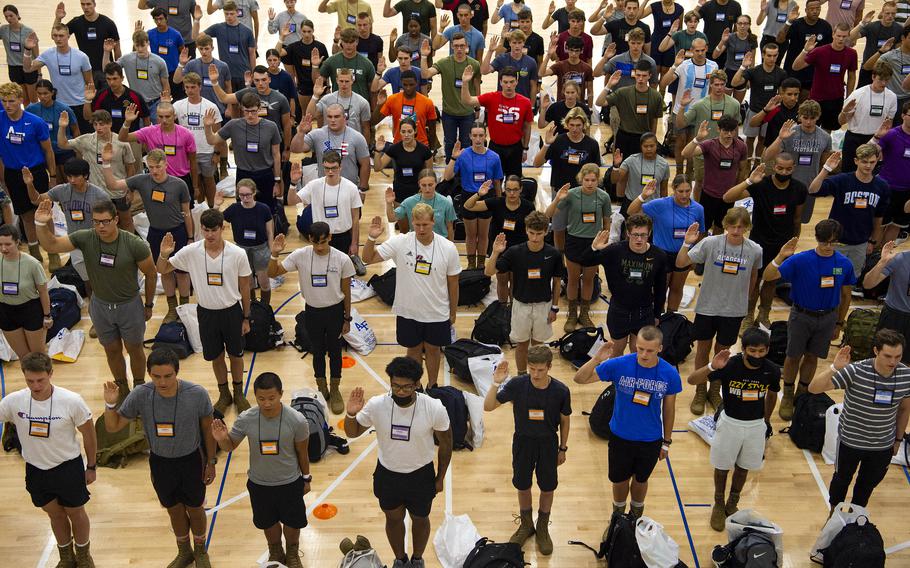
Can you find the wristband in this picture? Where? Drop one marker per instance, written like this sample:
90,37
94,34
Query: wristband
711,367
109,405
749,181
346,415
275,258
687,245
106,165
665,447
563,449
277,178
91,467
774,263
640,198
833,368
371,239
828,168
40,224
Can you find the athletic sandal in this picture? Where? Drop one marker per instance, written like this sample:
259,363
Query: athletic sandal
184,556
201,557
718,515
84,557
697,405
525,528
276,553
224,398
68,557
542,534
786,403
293,556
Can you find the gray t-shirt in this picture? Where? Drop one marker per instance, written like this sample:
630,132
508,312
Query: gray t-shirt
77,207
179,15
728,272
66,71
736,51
641,171
356,108
871,402
807,149
900,64
234,43
14,42
245,9
171,424
350,144
296,19
899,270
271,106
272,463
201,68
623,63
144,75
163,201
252,144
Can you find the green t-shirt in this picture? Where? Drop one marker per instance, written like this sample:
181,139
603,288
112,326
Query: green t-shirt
360,66
443,211
112,266
450,72
585,212
21,279
711,111
683,41
629,102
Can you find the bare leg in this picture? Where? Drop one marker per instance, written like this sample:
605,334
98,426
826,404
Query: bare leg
180,523
720,484
525,502
677,282
18,341
739,479
28,223
470,241
78,518
137,362
702,352
183,284
559,240
291,535
60,522
546,501
35,340
219,368
587,281
208,186
236,369
273,534
521,357
639,491
420,534
483,236
807,368
394,530
621,491
116,361
791,367
432,353
574,275
619,346
169,283
196,517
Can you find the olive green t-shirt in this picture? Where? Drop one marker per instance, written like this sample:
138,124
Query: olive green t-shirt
21,279
636,110
112,267
706,109
585,213
360,67
450,72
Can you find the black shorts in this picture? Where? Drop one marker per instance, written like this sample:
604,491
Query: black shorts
278,504
63,156
123,204
622,322
178,481
304,89
769,250
342,241
28,316
730,73
534,454
17,191
715,209
411,333
725,329
509,157
414,491
190,184
895,214
220,331
18,75
576,247
671,262
628,458
467,215
65,483
830,110
155,236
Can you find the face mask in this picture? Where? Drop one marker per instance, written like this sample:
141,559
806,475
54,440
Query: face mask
783,178
402,400
754,361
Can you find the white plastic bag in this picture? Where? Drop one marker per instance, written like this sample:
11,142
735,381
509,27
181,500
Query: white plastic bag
141,222
705,427
361,337
902,455
360,290
66,345
455,540
59,220
738,521
6,351
481,369
196,212
832,423
227,186
616,221
189,319
658,550
475,417
843,515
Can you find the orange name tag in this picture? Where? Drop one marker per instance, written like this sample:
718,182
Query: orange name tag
268,447
535,414
534,273
214,279
40,429
158,196
574,159
170,150
641,397
861,203
77,215
164,429
508,225
730,267
827,282
750,395
588,217
641,109
716,115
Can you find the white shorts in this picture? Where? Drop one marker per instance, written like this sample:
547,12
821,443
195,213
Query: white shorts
529,321
738,442
78,262
753,131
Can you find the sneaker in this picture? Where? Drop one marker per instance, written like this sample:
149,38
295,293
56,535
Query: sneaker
359,267
697,406
718,516
340,444
416,563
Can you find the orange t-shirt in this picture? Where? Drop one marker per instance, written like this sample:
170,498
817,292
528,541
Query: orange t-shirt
420,108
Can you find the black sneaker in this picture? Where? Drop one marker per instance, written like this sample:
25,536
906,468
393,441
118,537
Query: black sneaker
339,443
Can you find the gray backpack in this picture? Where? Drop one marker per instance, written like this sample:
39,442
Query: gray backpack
361,559
752,549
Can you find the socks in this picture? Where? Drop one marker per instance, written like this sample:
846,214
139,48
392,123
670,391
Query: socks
70,543
83,545
184,538
184,300
637,505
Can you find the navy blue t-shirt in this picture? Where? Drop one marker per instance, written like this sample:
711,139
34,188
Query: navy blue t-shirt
856,204
248,225
817,280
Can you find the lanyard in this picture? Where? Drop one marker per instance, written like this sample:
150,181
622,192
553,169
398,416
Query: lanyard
69,60
50,413
246,130
392,420
432,251
265,448
641,166
18,268
213,278
116,245
328,260
581,199
176,397
325,194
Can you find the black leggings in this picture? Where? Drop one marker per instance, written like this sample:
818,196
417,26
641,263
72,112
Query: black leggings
323,326
873,465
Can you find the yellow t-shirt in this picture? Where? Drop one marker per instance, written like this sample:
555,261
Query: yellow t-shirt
347,12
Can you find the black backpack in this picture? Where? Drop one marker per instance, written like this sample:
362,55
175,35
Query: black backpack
807,429
602,412
453,399
595,292
473,286
752,549
66,274
64,310
777,350
857,545
494,324
280,220
782,291
489,554
574,346
173,336
677,330
620,547
265,331
384,286
458,353
301,339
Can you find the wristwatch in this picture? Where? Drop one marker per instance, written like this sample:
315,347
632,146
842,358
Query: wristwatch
150,305
554,309
213,461
91,467
563,449
307,478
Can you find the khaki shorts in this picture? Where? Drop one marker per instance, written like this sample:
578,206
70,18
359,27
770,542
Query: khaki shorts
529,321
738,443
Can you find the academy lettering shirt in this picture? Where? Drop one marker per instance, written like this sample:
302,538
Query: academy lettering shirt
744,390
816,279
20,146
727,277
856,204
506,117
638,408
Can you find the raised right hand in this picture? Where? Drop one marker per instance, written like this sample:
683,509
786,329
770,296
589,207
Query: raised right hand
562,193
601,241
44,214
64,120
167,244
111,392
758,173
376,227
219,430
889,252
390,196
499,243
692,234
721,359
456,149
277,244
355,402
213,73
787,130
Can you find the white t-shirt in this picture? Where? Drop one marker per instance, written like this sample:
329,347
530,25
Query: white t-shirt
692,78
871,109
416,423
424,296
320,276
214,279
67,412
332,204
190,116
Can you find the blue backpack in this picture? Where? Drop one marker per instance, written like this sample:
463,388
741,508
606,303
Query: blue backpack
64,310
172,336
453,400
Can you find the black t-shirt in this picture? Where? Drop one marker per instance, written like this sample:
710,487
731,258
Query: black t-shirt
774,210
512,223
777,121
763,85
619,30
90,37
532,272
876,35
561,17
796,41
533,46
744,390
527,401
635,280
558,110
407,168
567,158
107,100
718,18
481,11
371,48
300,53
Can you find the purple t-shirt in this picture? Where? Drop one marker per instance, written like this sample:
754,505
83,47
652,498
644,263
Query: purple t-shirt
721,165
175,144
895,146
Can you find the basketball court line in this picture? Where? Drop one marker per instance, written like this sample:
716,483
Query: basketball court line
682,512
48,548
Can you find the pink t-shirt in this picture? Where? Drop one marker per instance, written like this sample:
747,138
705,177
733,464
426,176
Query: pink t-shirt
721,165
830,69
175,144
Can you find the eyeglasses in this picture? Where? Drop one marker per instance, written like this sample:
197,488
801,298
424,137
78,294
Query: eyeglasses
404,388
251,110
638,235
242,195
102,222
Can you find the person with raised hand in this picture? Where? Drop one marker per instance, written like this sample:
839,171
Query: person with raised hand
739,45
347,57
25,307
765,81
408,157
146,72
896,311
443,210
92,29
638,170
638,103
346,10
877,31
834,72
871,108
568,71
408,104
236,43
13,34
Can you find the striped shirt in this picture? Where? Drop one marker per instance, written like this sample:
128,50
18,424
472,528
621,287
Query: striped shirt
865,425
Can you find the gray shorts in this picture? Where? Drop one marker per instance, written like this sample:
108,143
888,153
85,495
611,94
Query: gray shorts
753,131
856,254
810,333
204,163
124,321
258,256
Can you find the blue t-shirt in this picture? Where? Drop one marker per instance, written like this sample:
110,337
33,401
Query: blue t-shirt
66,71
248,225
474,38
392,76
856,204
526,67
20,146
817,280
51,115
671,221
166,45
509,17
477,168
638,407
234,43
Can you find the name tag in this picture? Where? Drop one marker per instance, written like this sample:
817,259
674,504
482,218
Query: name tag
513,24
232,48
401,433
883,397
10,288
720,16
716,115
827,282
172,10
77,215
292,28
805,159
588,217
66,70
423,267
508,225
407,172
780,209
98,158
268,447
507,118
535,414
834,68
635,274
861,203
162,50
876,110
15,46
458,83
907,152
534,273
749,395
641,397
164,429
738,56
725,163
666,23
679,233
107,259
193,119
39,428
407,110
769,87
158,196
573,159
363,53
641,109
781,17
142,73
331,211
206,82
304,62
16,138
699,83
646,179
239,12
730,267
905,69
249,234
50,125
116,113
170,150
264,111
881,42
480,177
215,279
252,147
319,280
350,19
845,4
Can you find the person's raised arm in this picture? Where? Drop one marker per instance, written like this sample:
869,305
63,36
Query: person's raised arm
500,374
738,80
29,180
700,376
667,43
549,136
772,271
114,184
824,381
113,420
369,254
830,165
586,373
275,268
449,172
784,31
208,124
741,189
29,63
220,432
466,78
426,72
671,75
875,276
62,123
691,237
129,116
800,62
352,427
499,247
692,148
44,225
560,195
225,98
786,131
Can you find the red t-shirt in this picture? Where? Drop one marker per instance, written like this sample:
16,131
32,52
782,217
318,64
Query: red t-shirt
587,52
830,69
506,117
721,165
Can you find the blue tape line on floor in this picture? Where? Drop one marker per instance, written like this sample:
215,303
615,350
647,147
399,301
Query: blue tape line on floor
227,462
907,473
683,513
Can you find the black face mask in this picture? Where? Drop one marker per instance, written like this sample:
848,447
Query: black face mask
403,400
754,361
781,178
